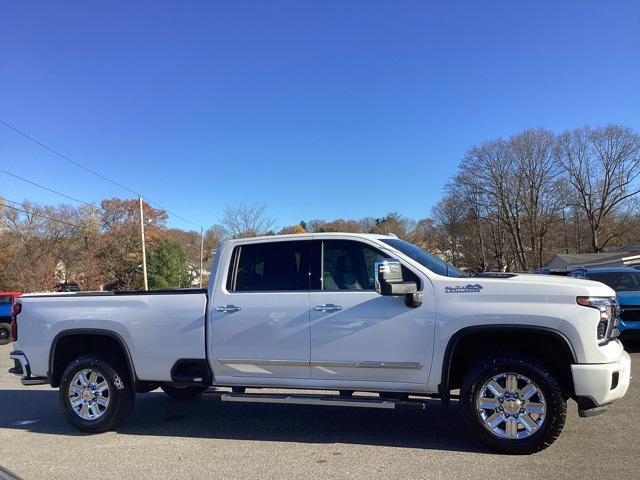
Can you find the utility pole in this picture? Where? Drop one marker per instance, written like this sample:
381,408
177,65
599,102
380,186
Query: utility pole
201,253
144,254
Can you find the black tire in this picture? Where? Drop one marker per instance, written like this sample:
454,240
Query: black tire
556,405
183,393
5,334
121,393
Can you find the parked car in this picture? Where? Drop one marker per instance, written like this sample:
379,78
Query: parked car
7,301
626,282
336,312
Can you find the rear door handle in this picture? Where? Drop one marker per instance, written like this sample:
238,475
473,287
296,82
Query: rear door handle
328,307
228,309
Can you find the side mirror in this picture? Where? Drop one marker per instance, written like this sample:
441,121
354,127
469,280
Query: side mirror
389,281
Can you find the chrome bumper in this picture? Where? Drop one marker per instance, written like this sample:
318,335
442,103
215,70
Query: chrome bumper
22,369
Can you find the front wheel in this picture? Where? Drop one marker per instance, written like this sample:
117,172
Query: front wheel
183,393
96,393
513,404
5,333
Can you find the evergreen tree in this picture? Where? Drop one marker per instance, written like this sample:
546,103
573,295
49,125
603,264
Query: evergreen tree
167,266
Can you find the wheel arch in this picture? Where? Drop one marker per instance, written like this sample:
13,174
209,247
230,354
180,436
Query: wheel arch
456,358
92,337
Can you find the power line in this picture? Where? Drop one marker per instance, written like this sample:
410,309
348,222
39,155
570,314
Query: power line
93,172
40,215
46,188
55,152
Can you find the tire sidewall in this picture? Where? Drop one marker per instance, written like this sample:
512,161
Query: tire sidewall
5,327
118,386
546,382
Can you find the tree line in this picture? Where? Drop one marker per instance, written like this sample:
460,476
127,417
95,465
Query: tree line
510,206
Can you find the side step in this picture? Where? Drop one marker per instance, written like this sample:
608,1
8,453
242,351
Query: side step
325,400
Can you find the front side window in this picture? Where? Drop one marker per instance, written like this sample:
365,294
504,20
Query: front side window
433,263
274,266
349,265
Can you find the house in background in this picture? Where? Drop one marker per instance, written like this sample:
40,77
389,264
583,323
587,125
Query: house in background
568,261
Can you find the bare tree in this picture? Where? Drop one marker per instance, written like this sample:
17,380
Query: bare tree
535,164
603,166
393,223
246,220
449,215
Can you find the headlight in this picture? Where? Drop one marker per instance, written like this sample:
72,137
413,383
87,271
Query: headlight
608,312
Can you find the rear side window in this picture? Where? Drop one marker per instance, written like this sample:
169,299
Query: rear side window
6,299
263,267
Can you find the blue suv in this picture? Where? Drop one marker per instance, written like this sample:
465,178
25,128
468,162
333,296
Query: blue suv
626,282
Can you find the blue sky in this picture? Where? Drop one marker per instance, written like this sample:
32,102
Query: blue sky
322,109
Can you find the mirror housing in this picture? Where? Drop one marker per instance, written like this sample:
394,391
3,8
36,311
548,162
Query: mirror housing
389,282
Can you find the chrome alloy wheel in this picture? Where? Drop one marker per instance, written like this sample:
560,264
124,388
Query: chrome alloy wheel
89,394
511,406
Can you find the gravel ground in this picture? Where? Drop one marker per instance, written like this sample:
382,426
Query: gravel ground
207,439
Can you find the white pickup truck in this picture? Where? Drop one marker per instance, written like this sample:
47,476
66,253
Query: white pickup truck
372,320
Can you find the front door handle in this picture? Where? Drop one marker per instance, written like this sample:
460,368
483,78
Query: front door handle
328,307
228,309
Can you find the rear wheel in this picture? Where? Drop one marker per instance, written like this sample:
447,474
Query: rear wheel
183,393
5,333
514,404
96,393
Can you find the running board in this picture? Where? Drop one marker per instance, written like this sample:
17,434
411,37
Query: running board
325,400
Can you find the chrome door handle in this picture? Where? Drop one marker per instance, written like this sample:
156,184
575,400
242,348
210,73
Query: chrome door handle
228,309
328,307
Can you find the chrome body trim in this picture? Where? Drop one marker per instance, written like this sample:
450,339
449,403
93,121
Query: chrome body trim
368,364
314,363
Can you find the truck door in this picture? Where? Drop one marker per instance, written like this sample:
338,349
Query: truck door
260,313
357,334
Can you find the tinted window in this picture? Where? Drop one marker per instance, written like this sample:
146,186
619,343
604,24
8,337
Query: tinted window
271,266
6,299
350,266
619,281
433,263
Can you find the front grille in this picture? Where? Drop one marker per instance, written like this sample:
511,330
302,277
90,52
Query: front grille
630,313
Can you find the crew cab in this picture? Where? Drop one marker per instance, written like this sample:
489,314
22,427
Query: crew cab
372,320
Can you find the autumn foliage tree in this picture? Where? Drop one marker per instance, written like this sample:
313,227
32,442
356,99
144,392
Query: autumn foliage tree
119,251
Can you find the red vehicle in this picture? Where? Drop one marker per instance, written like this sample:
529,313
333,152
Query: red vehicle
7,301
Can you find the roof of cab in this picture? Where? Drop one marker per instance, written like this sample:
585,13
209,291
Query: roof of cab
310,235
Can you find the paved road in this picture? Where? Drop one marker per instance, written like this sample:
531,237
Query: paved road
207,439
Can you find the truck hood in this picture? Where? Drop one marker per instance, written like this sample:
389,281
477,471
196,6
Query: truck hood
557,282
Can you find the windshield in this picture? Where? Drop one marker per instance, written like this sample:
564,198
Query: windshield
433,263
619,281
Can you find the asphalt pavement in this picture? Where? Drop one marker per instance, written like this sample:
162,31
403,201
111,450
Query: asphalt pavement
205,438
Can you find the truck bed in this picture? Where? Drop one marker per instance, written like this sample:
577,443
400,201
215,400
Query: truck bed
119,293
157,327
